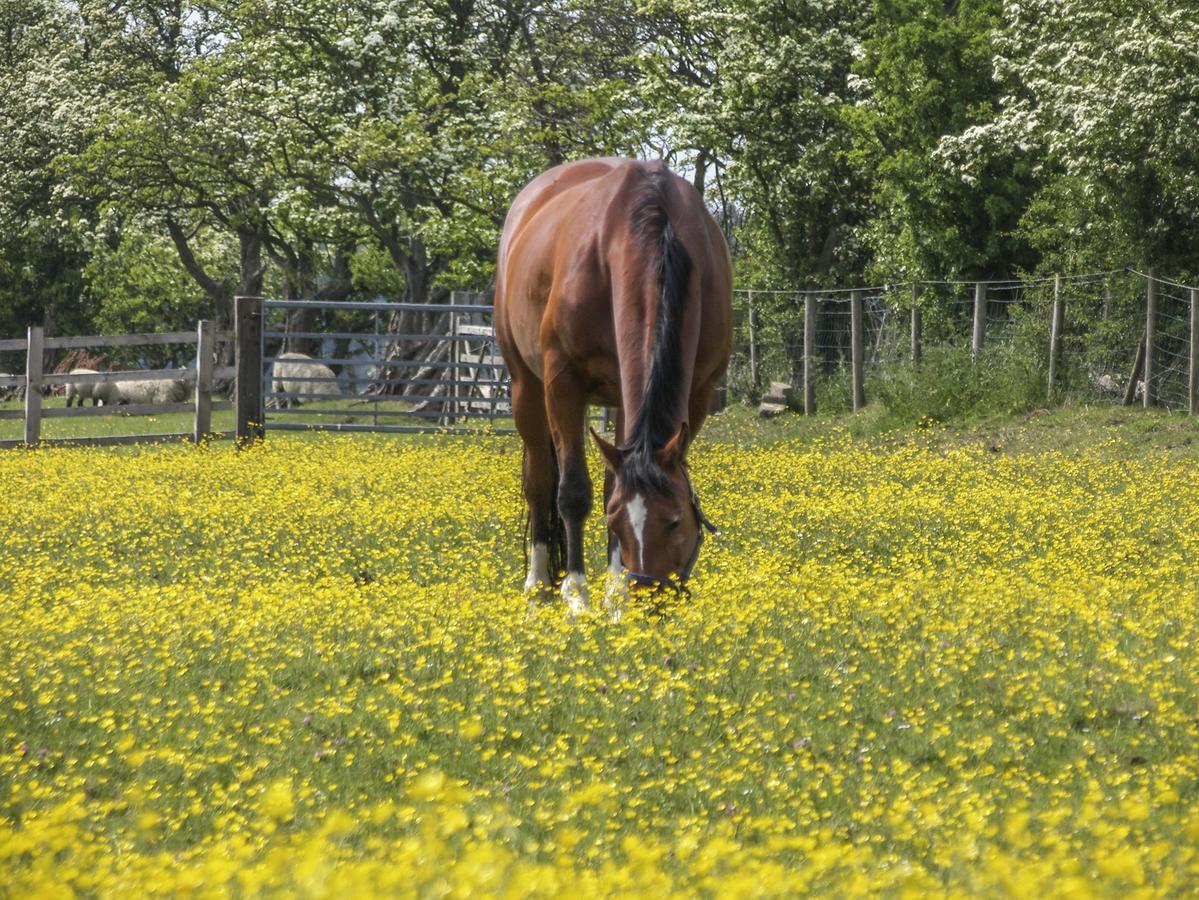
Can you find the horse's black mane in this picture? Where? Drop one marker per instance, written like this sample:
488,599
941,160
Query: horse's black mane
671,270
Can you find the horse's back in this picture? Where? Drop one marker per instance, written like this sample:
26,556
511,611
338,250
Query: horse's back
547,186
564,251
558,209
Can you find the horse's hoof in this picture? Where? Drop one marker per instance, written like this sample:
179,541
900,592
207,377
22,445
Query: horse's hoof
540,595
616,599
575,594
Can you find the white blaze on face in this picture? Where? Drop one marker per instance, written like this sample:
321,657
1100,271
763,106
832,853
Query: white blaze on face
539,567
637,513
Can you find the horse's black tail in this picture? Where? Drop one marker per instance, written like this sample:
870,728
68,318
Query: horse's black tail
671,267
557,527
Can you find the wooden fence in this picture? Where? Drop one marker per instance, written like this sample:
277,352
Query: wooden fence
35,381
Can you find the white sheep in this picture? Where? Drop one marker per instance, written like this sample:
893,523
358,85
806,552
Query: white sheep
105,392
161,390
291,374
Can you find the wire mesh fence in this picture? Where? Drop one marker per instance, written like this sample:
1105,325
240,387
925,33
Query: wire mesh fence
1170,345
1098,351
933,349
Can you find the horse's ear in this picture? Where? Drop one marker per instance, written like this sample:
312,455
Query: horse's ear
676,448
609,452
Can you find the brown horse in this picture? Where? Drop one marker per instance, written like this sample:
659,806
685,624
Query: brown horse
614,288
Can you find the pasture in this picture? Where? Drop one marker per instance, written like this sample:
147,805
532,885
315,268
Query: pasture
916,662
355,412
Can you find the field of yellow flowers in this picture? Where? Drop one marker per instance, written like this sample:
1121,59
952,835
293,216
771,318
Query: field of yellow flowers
906,668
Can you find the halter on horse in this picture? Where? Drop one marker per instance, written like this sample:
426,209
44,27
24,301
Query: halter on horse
613,288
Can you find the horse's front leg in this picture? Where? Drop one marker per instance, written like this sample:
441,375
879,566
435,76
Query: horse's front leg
537,481
567,407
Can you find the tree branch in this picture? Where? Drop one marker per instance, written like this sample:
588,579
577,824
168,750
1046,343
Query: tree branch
210,285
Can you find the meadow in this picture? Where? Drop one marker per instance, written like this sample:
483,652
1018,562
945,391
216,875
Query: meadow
121,423
915,662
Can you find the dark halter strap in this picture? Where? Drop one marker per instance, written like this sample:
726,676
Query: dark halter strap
704,524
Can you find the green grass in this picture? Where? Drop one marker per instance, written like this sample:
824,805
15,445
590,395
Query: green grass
1107,429
117,424
120,423
1070,427
955,657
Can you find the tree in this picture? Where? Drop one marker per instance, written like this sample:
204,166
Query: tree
171,147
1102,93
44,109
420,122
767,87
926,74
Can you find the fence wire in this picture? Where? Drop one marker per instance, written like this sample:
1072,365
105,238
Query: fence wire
1171,346
1100,347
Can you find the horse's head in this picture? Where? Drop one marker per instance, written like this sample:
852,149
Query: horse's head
653,511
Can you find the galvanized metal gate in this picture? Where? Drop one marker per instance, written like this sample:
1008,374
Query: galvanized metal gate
382,367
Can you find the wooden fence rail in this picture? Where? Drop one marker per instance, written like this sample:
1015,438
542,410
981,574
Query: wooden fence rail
203,377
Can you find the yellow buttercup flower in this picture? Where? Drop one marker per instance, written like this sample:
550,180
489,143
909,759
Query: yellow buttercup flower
907,667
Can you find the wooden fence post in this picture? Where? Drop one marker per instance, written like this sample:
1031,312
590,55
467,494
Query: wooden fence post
1149,395
1056,324
917,323
857,344
33,384
755,383
1138,362
809,355
980,317
204,364
1193,353
249,370
455,403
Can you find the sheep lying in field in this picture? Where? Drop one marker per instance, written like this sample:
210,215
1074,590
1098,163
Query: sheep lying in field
162,390
291,374
98,392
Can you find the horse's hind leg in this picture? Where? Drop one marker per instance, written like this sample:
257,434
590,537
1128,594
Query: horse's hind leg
618,586
567,406
537,482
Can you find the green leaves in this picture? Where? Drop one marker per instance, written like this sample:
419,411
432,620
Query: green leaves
1105,92
927,76
840,142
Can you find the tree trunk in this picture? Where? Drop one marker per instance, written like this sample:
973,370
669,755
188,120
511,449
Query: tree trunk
418,277
701,172
301,285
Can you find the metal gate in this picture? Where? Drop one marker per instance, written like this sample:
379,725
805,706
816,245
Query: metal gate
383,367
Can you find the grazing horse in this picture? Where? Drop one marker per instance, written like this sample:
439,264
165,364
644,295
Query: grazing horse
613,287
